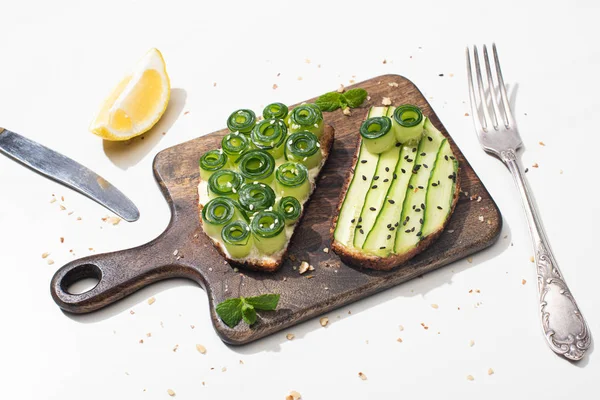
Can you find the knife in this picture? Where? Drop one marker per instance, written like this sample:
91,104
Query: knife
68,172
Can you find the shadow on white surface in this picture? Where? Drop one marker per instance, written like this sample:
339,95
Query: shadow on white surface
129,152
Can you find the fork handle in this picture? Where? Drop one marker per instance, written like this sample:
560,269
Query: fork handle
563,324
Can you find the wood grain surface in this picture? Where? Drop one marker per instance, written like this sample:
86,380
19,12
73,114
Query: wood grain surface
176,170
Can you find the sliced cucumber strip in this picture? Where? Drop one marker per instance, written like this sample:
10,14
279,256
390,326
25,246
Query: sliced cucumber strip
275,110
380,240
268,230
440,192
216,213
234,145
306,117
364,171
270,135
290,208
257,166
409,232
255,197
241,121
377,134
304,147
237,239
224,183
210,162
408,124
291,179
380,184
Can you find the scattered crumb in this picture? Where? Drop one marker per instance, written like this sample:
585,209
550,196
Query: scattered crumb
542,144
185,113
341,89
53,200
293,396
466,114
45,255
292,257
393,84
401,328
171,393
112,220
362,376
470,259
351,81
131,312
450,75
78,218
241,362
62,208
535,165
434,306
386,101
490,371
324,321
399,340
149,334
326,250
50,262
304,267
531,259
275,86
307,61
346,111
440,74
299,78
175,348
62,239
141,341
151,300
175,252
384,61
481,218
224,369
201,349
471,343
424,326
470,378
290,336
561,171
523,282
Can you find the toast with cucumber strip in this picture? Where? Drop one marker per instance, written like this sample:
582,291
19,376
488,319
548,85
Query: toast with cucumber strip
400,193
253,190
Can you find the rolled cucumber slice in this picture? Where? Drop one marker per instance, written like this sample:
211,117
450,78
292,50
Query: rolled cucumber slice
380,184
409,231
440,191
364,171
377,134
407,123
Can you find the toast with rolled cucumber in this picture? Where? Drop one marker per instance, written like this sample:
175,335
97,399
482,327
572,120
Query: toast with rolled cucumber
400,193
253,190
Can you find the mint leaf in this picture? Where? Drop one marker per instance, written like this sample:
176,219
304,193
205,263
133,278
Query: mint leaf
343,102
248,313
355,97
329,101
230,311
264,302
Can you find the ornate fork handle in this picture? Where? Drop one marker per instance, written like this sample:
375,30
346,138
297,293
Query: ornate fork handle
564,327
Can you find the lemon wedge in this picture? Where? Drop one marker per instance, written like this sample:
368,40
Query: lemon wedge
138,101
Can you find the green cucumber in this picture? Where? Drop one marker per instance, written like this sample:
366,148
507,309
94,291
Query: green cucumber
409,231
380,184
364,170
440,191
380,240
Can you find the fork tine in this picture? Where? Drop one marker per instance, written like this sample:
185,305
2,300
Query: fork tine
496,116
486,113
472,98
505,102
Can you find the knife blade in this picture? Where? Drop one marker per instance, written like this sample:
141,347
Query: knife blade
68,172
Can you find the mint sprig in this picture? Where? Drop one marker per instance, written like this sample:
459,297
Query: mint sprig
333,100
232,311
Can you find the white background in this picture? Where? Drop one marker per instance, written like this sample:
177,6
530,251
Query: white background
59,59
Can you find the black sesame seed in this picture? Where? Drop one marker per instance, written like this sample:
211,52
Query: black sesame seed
425,165
359,219
421,221
363,161
364,178
389,237
353,219
362,232
376,177
526,170
406,157
395,176
430,139
446,157
434,184
411,187
420,187
387,169
439,207
414,206
416,168
398,144
396,224
389,226
450,176
386,180
391,201
382,247
358,226
422,206
423,154
413,229
372,208
414,149
417,209
374,187
392,228
452,157
407,231
404,223
410,160
403,170
419,233
408,217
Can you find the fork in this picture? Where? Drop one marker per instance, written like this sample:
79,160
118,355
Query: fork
563,324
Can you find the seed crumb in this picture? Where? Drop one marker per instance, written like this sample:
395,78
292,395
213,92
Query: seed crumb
151,300
304,267
535,165
434,306
341,89
171,393
324,321
275,86
62,208
470,260
45,255
470,378
346,111
299,78
393,84
424,326
224,369
326,250
290,336
362,376
175,348
112,220
561,171
386,101
50,262
531,259
481,218
401,328
542,144
490,371
62,239
471,343
201,349
399,340
523,282
175,252
53,200
293,396
384,61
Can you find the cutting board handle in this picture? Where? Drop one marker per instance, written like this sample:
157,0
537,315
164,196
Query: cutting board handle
119,274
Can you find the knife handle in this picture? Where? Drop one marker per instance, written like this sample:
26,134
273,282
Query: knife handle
119,274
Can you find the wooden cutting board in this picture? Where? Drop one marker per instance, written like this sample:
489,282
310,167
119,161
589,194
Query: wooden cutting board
183,250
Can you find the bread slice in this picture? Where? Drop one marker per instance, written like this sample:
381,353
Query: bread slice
360,258
272,262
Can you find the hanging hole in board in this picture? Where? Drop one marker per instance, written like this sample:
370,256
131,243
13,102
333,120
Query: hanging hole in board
81,279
